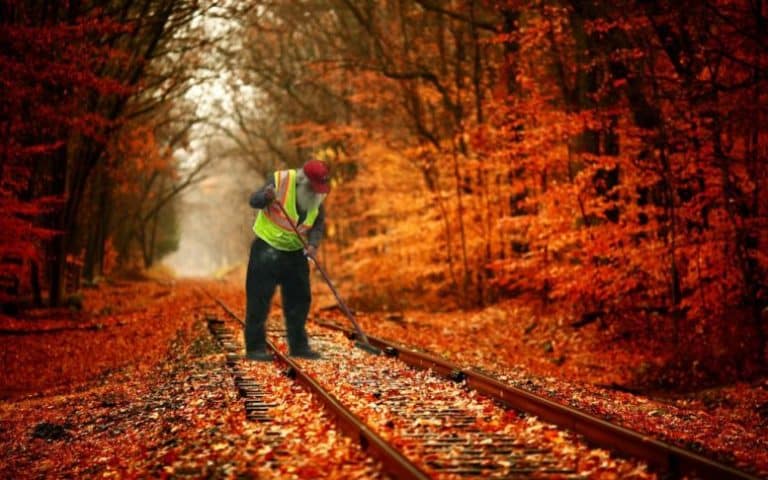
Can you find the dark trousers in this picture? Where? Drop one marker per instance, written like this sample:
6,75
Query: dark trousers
268,268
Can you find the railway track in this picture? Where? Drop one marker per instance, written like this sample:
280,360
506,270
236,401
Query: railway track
423,417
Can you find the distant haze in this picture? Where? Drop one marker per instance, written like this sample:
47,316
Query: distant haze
215,221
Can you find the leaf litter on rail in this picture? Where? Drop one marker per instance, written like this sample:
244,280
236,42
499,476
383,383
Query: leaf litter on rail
362,382
722,423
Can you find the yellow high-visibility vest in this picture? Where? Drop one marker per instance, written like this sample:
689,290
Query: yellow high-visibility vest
271,224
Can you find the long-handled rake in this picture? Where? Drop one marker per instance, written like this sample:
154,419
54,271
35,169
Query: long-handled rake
361,339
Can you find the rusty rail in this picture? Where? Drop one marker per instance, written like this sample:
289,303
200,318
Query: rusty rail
675,461
393,462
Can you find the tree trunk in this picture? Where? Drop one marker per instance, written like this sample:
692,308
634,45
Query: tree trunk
94,252
462,232
149,258
34,280
57,251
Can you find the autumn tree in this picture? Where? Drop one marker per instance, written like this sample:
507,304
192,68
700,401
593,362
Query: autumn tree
432,71
635,191
603,159
51,57
75,72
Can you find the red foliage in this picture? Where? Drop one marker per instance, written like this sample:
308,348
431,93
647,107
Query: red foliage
52,72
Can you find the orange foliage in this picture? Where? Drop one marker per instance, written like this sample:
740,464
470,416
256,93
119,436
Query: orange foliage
138,157
609,176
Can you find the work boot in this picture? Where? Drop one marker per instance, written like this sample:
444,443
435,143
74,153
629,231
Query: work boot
305,352
259,356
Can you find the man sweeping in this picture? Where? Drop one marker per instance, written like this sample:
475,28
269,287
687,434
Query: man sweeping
278,256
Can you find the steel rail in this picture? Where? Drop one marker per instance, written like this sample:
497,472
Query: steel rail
393,462
674,461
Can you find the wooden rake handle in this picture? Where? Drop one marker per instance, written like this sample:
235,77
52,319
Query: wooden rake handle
358,331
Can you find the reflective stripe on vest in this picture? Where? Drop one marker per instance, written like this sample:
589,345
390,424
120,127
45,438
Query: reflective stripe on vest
271,224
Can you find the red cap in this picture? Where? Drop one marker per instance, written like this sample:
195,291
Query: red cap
319,175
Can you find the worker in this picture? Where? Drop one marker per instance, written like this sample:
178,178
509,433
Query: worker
278,256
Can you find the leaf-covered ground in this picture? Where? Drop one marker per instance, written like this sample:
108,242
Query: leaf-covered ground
372,387
147,395
132,386
544,355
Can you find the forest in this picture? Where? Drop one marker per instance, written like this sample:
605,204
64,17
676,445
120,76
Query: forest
606,161
580,174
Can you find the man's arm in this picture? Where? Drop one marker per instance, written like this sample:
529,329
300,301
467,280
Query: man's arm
317,231
260,198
